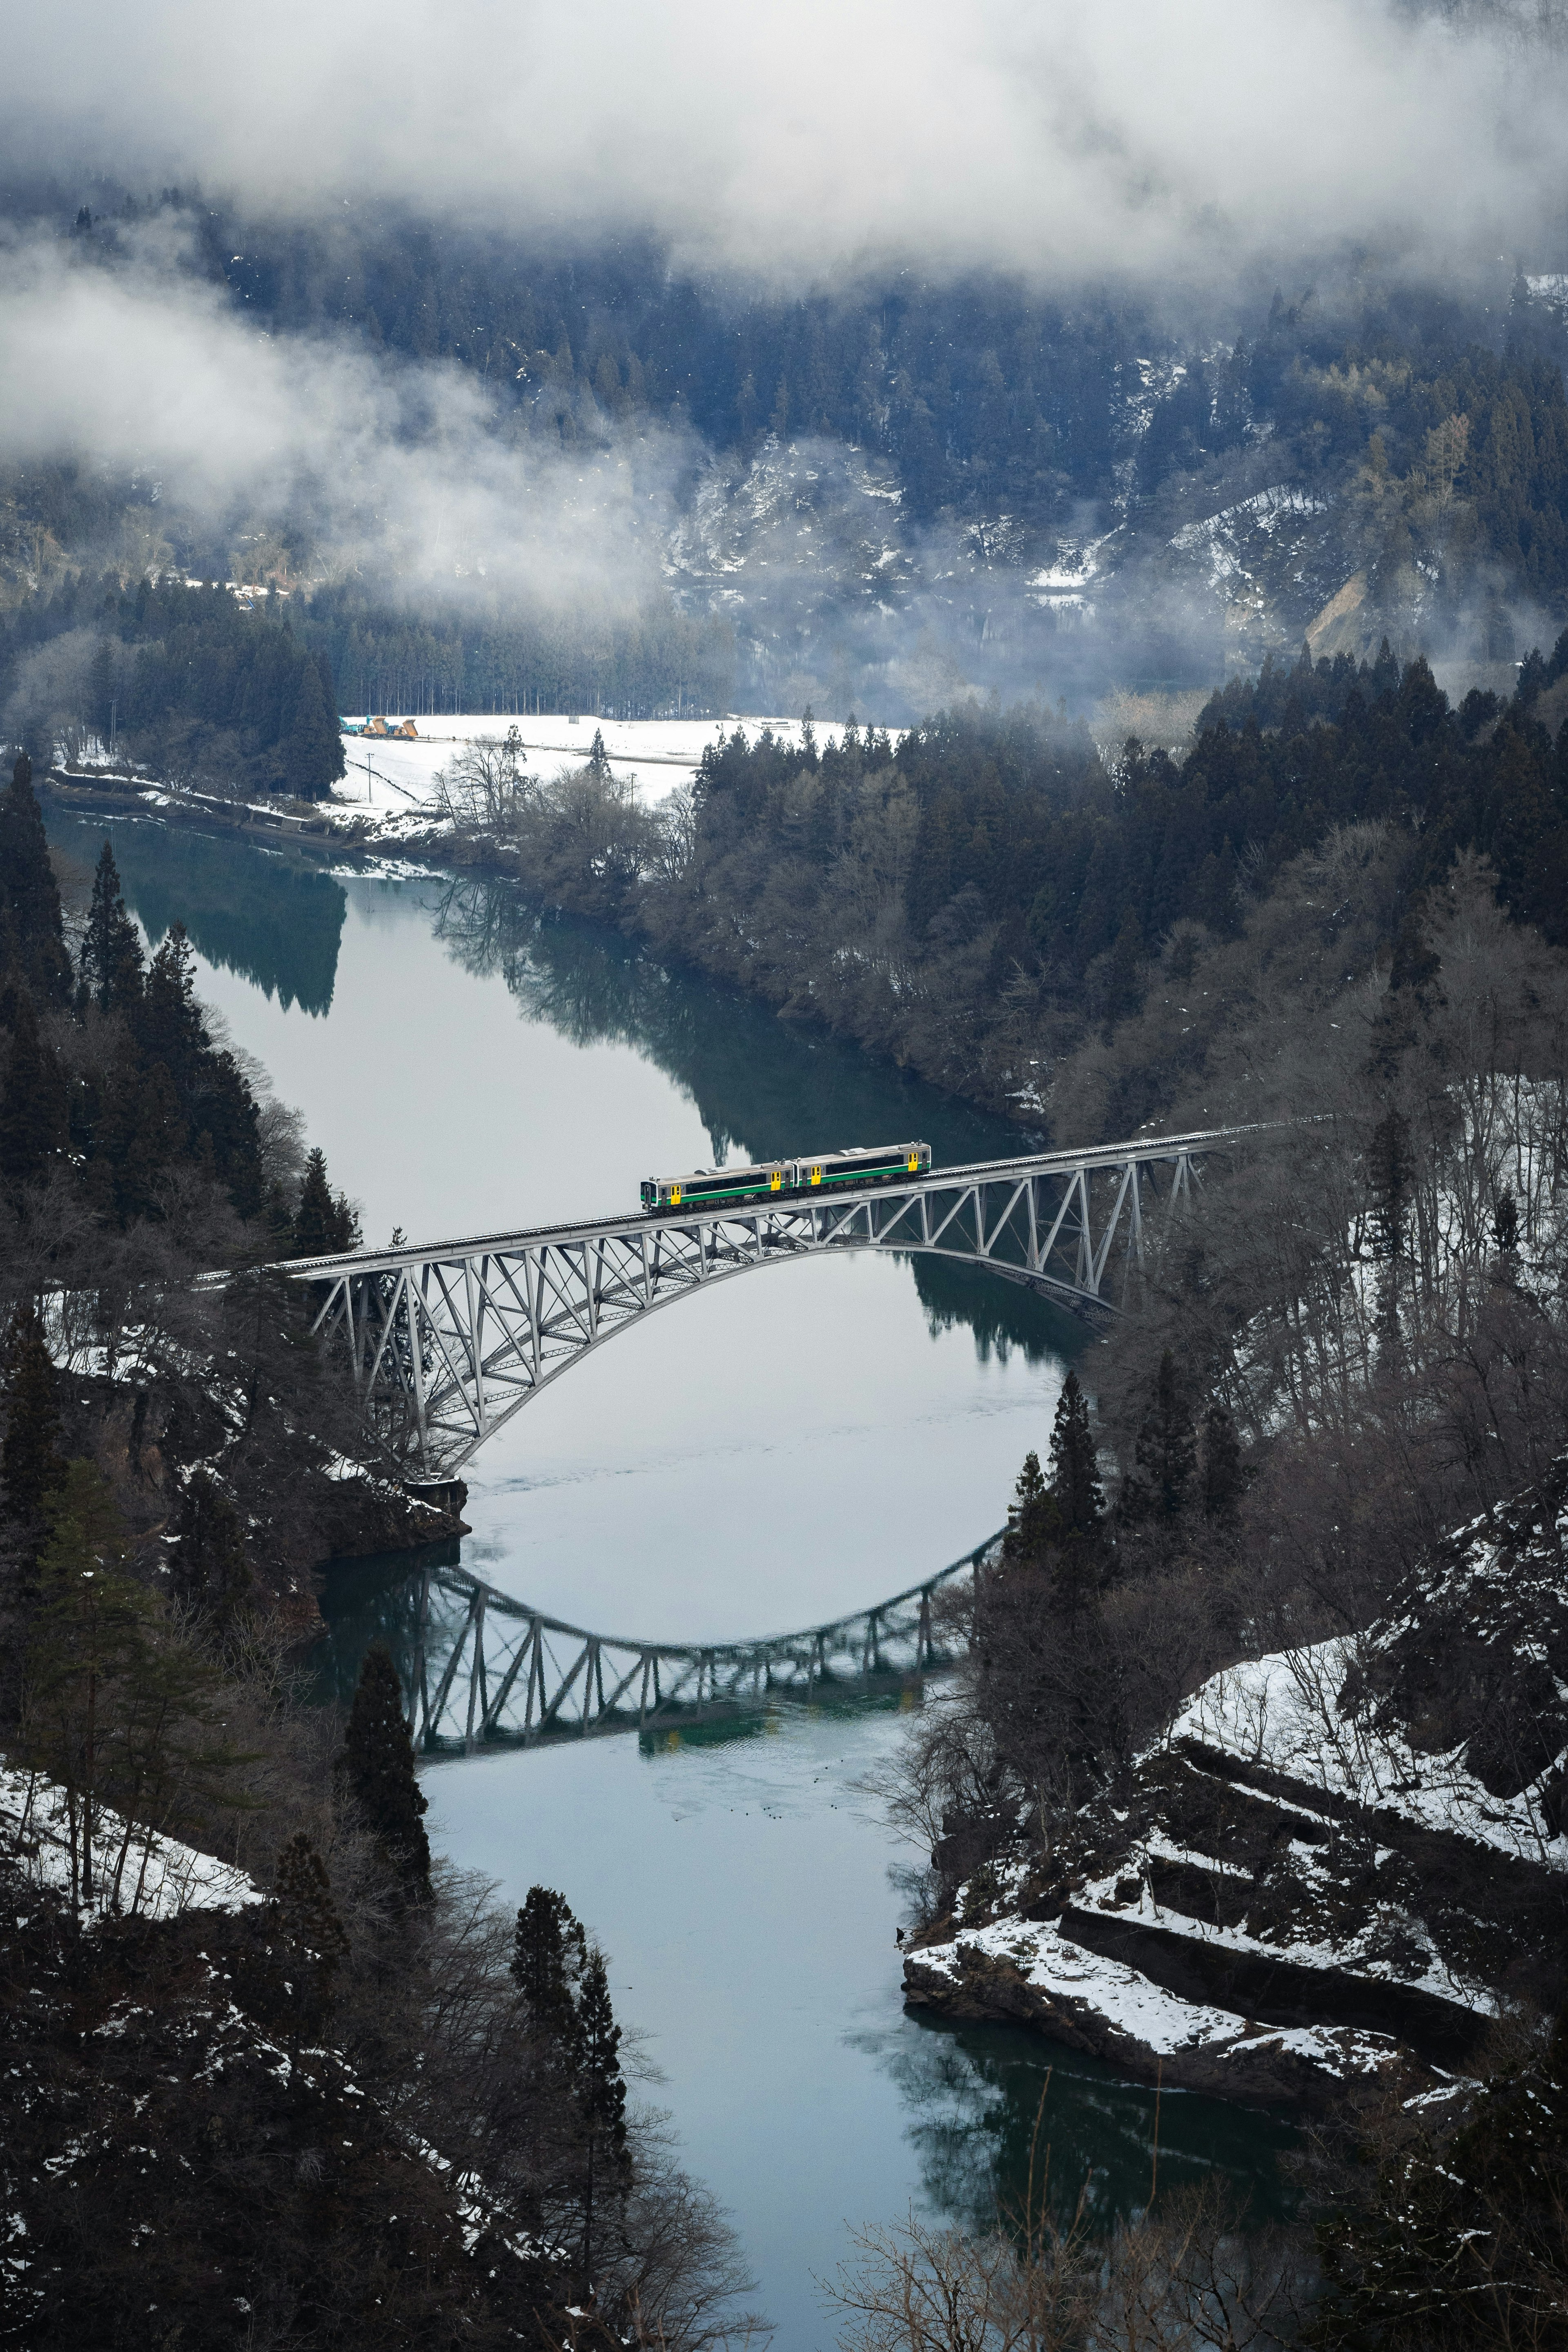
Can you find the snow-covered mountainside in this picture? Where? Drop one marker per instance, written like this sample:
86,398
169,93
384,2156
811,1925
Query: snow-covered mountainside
1338,1861
809,551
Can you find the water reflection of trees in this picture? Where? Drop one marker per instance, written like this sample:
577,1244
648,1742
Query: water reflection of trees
762,1086
971,2095
254,911
372,1600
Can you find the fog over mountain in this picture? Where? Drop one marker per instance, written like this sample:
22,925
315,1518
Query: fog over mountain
884,353
398,462
802,142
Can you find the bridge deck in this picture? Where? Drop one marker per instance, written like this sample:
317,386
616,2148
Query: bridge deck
1042,1163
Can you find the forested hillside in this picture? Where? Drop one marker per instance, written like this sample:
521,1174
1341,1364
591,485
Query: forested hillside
201,687
995,907
876,497
231,2082
136,1151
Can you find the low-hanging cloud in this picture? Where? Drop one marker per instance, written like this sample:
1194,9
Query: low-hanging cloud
405,473
804,141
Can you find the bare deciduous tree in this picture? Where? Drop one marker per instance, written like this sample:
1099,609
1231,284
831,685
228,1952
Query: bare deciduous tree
483,787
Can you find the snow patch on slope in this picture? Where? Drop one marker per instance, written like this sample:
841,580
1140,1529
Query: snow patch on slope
138,1873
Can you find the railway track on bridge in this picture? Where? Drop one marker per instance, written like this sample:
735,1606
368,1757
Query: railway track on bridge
447,1341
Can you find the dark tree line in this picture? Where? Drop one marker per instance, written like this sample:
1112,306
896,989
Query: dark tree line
1020,829
112,1084
987,899
192,679
135,1153
659,663
356,2108
364,2106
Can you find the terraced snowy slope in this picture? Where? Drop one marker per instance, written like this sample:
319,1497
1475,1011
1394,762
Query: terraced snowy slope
1337,1859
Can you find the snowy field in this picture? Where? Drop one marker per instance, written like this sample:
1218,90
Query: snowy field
393,777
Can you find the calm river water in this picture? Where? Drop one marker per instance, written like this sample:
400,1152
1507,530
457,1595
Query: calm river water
778,1452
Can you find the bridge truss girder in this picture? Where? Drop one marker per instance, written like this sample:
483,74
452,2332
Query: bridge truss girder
488,1670
447,1342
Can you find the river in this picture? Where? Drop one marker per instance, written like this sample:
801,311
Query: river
780,1452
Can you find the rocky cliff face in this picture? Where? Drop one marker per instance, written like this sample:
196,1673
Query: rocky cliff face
1339,1861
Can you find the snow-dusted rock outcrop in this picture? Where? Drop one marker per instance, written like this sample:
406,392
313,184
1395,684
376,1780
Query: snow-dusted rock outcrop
1337,1859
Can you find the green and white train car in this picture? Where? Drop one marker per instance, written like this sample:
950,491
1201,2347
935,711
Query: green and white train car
728,1188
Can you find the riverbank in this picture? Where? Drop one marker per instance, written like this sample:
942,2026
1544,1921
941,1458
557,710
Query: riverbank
592,845
1336,1868
324,826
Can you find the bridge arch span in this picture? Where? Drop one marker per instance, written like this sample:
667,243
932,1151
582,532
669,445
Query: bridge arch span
449,1341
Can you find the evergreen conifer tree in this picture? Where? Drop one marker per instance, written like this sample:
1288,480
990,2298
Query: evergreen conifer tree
29,894
549,1953
1031,1517
378,1769
101,689
111,965
308,1923
601,2100
140,1133
1390,1167
1222,1472
209,1564
1074,1485
31,1466
1165,1455
167,1024
312,754
1075,1503
324,1223
548,1950
34,1114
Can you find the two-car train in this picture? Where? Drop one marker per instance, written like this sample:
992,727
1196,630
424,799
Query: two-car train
838,1171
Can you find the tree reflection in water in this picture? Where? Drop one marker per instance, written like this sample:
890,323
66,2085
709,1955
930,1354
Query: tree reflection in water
973,2094
265,914
762,1086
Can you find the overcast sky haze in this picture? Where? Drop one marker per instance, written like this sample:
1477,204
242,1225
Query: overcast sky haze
800,140
1196,154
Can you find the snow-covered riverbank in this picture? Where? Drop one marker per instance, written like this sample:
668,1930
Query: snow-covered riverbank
1338,1862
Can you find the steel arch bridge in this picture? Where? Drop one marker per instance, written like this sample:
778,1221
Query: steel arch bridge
446,1340
485,1670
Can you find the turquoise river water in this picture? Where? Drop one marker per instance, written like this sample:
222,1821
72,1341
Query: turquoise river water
777,1452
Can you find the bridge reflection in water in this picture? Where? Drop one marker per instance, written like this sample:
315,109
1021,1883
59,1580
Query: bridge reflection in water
480,1669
